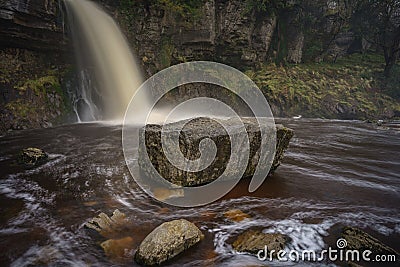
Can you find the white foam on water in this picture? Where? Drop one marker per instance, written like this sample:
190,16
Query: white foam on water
304,235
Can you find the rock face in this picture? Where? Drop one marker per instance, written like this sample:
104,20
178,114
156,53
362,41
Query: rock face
32,157
360,240
166,241
34,47
32,64
226,31
31,24
191,135
253,241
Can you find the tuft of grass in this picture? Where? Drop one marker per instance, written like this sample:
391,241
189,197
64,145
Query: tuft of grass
41,85
21,109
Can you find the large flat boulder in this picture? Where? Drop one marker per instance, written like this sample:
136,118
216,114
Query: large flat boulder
192,132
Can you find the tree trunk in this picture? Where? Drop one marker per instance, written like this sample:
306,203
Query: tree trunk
295,46
294,35
392,53
390,61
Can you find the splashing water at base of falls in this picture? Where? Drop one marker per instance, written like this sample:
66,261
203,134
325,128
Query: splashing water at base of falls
109,73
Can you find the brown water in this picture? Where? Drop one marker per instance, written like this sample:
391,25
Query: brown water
335,173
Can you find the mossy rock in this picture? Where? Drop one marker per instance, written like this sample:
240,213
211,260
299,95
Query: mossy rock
32,157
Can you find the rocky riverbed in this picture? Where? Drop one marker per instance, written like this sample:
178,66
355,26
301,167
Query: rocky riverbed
171,238
330,178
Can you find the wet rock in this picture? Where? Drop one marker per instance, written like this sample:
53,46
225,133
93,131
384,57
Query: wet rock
32,157
163,193
236,215
360,240
252,241
108,226
117,249
283,137
192,133
208,215
31,24
166,241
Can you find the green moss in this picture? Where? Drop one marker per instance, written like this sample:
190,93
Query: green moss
21,109
185,8
41,88
42,85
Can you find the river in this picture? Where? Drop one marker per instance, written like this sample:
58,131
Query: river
335,173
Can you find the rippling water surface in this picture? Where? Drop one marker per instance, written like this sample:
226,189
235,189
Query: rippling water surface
335,173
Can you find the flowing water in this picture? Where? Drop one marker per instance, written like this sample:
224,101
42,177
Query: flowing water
109,72
335,173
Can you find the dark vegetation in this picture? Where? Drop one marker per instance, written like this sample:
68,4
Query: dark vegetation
374,23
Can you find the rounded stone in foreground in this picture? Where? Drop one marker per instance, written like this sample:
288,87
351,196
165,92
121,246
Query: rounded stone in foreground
166,241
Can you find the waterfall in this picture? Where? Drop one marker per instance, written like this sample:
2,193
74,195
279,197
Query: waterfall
108,70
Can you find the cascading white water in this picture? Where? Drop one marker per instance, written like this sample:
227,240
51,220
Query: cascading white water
102,54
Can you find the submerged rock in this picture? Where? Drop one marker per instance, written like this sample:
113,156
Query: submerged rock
46,256
360,240
107,226
166,241
32,157
252,241
236,215
191,133
164,193
117,249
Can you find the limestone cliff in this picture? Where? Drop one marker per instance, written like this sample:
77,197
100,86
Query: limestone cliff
34,25
35,52
32,64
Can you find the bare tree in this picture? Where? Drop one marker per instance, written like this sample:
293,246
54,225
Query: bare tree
378,21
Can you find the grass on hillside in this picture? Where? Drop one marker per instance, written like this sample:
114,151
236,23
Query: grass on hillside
352,87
